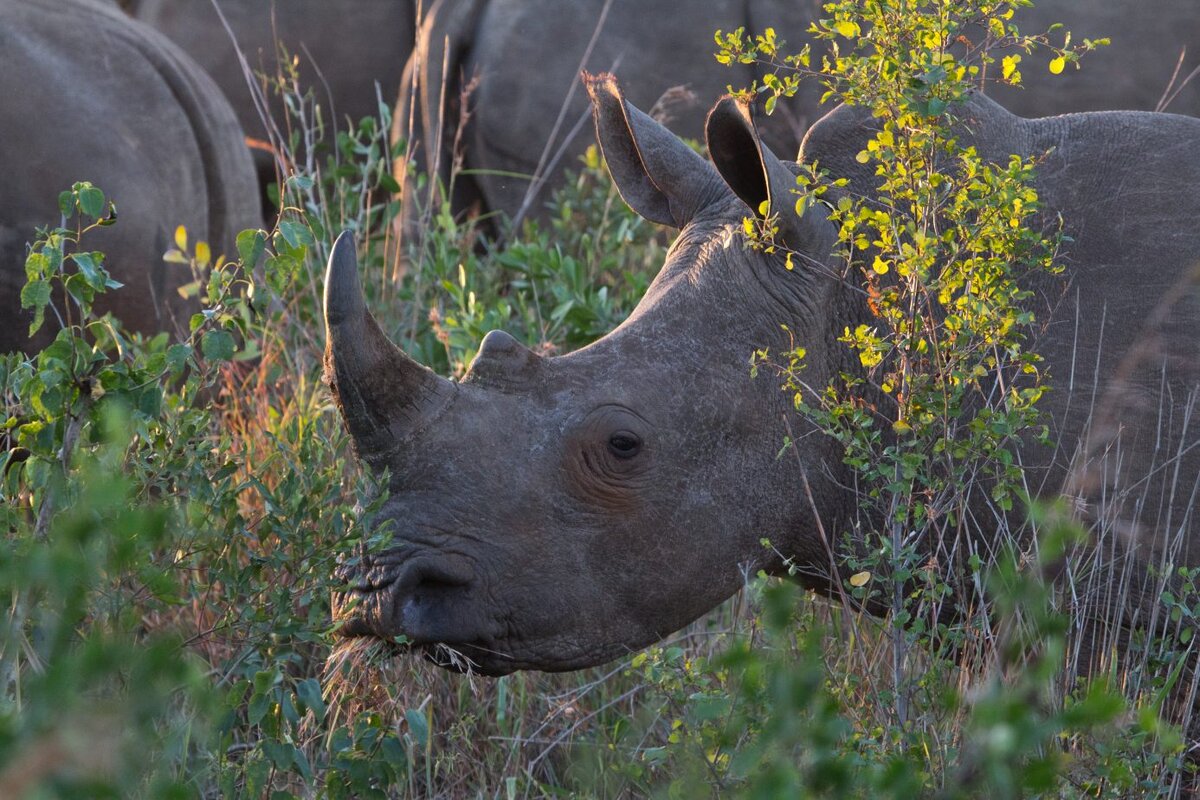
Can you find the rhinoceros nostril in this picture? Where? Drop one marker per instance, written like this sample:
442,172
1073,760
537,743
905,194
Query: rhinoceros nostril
433,574
433,601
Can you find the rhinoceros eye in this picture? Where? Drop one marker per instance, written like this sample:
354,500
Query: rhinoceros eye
624,444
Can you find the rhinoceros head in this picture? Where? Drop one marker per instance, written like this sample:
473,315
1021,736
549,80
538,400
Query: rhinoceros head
554,513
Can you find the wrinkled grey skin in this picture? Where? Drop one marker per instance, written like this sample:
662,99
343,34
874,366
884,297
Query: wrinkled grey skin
344,48
527,54
89,94
555,513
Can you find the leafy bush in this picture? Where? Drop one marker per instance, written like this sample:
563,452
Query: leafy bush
176,510
965,686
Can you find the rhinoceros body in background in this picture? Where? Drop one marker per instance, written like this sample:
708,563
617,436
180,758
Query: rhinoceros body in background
343,48
92,95
1149,41
526,108
554,513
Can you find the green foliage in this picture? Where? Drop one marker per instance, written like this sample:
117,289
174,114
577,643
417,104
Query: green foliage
938,392
174,510
927,51
556,284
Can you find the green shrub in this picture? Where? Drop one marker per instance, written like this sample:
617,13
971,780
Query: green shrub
175,511
965,687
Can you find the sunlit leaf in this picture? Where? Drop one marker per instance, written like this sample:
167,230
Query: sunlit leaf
847,28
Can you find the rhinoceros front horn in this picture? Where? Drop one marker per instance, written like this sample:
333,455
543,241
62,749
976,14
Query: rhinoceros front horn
383,394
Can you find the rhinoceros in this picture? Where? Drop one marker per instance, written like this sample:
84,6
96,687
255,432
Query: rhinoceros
553,513
343,48
526,108
91,95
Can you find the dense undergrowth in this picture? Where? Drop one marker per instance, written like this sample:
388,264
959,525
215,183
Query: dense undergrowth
174,507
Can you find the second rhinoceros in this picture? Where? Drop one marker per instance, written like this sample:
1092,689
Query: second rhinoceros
341,49
89,94
553,513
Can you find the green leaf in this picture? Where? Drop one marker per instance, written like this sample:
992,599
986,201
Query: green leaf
89,267
37,265
936,106
301,182
250,245
91,201
177,356
35,294
279,753
295,234
388,183
257,708
705,708
111,218
418,725
309,693
217,345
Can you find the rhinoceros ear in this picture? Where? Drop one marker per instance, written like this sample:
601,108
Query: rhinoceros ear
658,175
758,177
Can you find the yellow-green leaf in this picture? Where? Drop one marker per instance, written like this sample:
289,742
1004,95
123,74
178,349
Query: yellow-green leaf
859,579
181,238
880,266
847,28
1009,65
203,254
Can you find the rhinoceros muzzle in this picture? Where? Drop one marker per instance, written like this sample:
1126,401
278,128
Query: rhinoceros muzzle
425,597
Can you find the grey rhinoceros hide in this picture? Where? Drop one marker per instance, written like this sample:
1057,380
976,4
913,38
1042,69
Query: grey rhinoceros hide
1152,43
343,49
90,95
526,107
528,112
554,513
